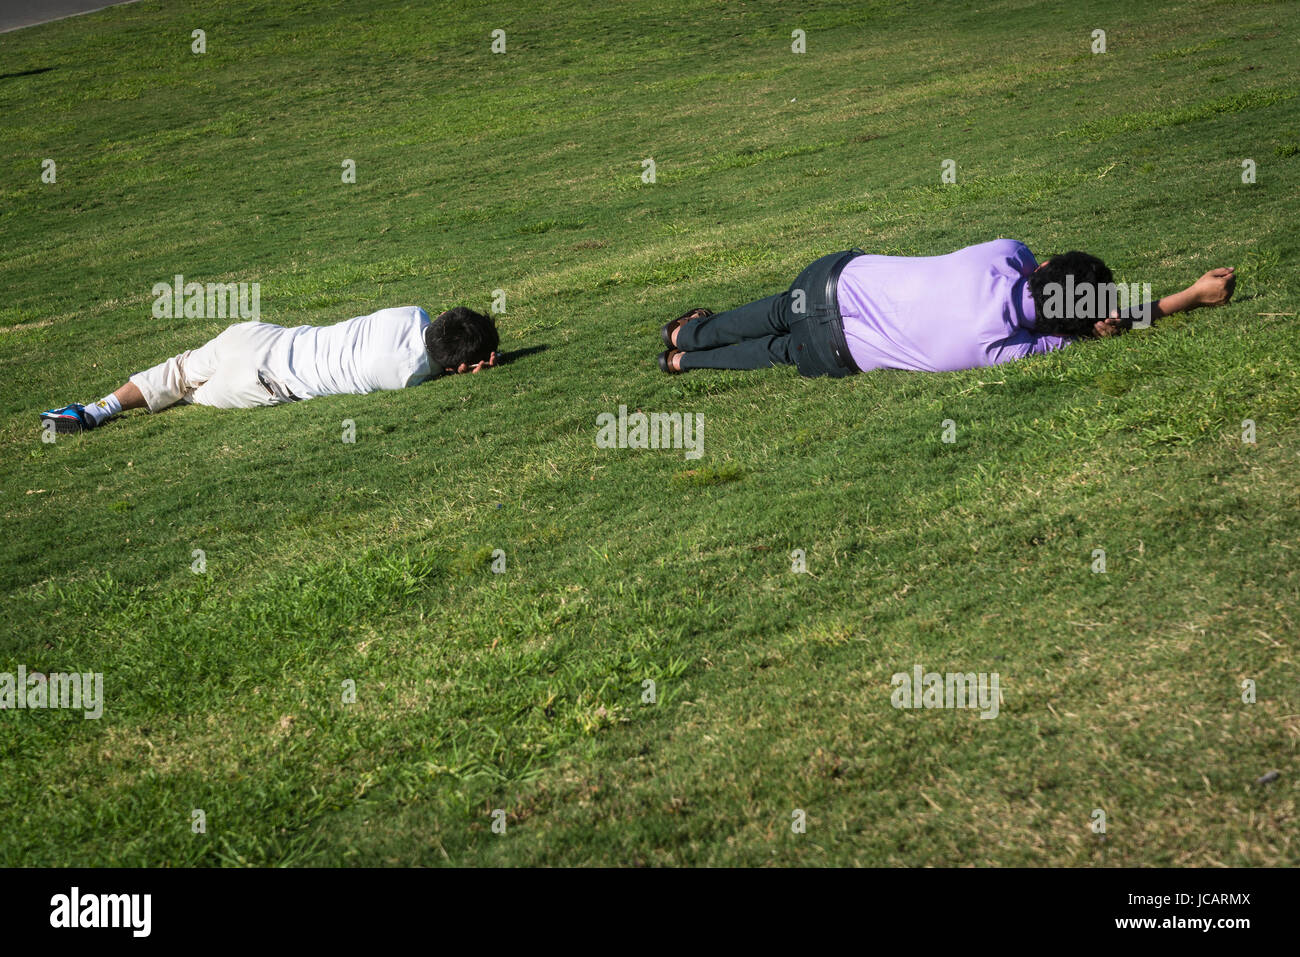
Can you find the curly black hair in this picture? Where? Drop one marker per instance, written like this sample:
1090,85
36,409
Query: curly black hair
460,335
1059,318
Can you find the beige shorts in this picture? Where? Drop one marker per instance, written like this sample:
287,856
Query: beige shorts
230,372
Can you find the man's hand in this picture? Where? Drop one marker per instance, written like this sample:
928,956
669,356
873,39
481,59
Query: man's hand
488,363
1107,327
1215,287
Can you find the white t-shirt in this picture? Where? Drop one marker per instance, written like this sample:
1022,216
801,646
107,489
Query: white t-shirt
384,350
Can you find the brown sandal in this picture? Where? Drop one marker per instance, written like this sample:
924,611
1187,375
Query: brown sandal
666,363
699,312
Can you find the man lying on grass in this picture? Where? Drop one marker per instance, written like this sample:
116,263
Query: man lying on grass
256,363
849,312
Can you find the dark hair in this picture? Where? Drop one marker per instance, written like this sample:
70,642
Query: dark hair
460,335
1086,270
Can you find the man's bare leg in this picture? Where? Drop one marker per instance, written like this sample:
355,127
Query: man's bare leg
130,397
127,397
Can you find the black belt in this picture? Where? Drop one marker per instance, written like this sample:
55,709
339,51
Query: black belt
840,344
275,395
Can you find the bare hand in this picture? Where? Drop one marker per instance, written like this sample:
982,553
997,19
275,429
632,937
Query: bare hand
1215,287
1107,327
488,363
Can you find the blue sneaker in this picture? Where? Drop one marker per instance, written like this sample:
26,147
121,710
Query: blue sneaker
71,418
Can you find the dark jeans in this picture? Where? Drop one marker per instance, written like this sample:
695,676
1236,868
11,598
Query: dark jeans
799,327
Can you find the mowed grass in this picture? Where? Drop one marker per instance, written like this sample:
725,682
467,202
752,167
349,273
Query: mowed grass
329,562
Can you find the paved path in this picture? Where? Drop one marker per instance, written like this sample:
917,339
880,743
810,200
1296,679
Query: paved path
16,14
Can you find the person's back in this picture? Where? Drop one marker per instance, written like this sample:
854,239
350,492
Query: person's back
382,351
961,310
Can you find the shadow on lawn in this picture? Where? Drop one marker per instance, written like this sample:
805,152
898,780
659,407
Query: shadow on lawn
504,358
41,69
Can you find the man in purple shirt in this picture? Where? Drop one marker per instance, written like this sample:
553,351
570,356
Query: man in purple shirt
986,304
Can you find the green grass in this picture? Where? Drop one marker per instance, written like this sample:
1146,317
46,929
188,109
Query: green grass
328,562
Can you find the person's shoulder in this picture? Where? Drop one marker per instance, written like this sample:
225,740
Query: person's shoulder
404,311
1011,248
398,314
1009,255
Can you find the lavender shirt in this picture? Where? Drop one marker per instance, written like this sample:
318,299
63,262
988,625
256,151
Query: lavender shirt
939,313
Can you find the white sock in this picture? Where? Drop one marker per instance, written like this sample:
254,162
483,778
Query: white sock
104,409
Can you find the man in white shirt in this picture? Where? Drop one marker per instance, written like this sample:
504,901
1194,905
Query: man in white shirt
257,363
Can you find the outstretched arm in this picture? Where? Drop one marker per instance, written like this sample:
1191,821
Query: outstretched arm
1212,289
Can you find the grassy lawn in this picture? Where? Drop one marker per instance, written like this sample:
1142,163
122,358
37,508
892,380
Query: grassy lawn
328,562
